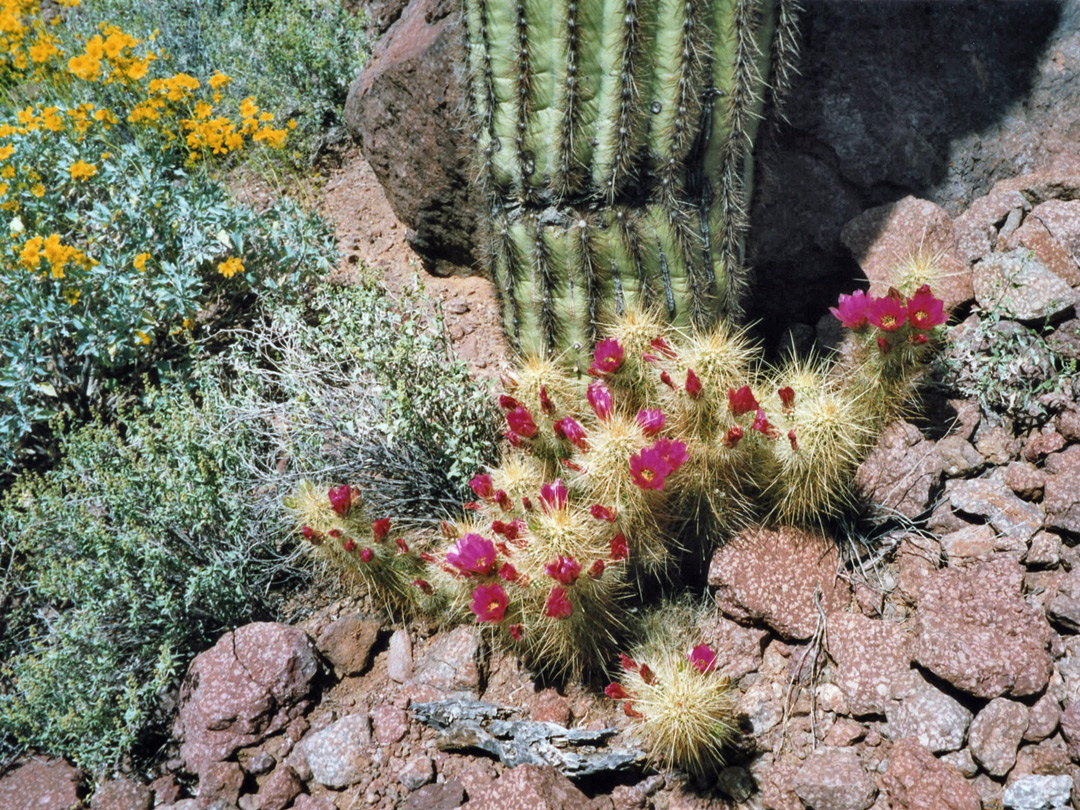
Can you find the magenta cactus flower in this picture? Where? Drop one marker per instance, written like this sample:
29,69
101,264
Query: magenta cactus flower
596,570
481,486
741,401
546,405
703,658
508,403
663,348
521,422
472,554
489,603
508,572
340,499
693,384
564,570
619,548
603,513
888,313
615,691
673,452
649,468
733,437
762,425
650,420
553,495
924,310
628,664
568,428
599,396
787,398
380,529
607,359
558,605
851,309
517,632
665,378
366,554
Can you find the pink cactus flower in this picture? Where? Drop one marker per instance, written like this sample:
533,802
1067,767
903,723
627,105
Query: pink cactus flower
508,403
596,570
607,359
663,348
888,313
791,438
508,573
628,664
366,554
693,384
603,513
568,428
564,570
558,605
546,405
615,691
503,500
619,548
649,468
762,424
787,398
489,603
703,658
472,554
312,536
924,310
599,396
481,486
349,545
517,632
673,451
513,439
340,499
380,529
553,496
733,436
651,421
851,309
665,378
647,674
521,422
402,546
741,401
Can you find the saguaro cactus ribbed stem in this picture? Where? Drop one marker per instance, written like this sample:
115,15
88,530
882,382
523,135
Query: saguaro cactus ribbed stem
614,140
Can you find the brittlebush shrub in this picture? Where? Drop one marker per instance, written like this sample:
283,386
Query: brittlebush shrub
119,251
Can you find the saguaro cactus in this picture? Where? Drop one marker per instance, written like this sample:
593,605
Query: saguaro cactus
614,141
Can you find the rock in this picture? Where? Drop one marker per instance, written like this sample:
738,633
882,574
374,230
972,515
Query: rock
883,238
1070,728
220,782
548,706
347,643
399,660
1038,793
834,780
929,716
971,541
918,556
738,648
122,794
962,761
1043,719
248,685
406,109
1021,287
41,784
446,796
417,772
1062,219
991,499
279,790
1035,237
1067,423
529,787
871,655
995,734
772,576
451,663
1025,479
391,723
900,470
166,789
974,629
916,780
736,782
257,762
1062,485
338,755
1064,607
761,708
844,732
996,444
959,457
305,802
1043,443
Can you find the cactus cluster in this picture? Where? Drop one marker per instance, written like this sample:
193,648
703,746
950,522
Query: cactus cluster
614,146
681,438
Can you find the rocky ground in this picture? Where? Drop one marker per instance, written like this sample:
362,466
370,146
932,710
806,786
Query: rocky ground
939,667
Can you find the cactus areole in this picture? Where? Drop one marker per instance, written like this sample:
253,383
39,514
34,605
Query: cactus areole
614,143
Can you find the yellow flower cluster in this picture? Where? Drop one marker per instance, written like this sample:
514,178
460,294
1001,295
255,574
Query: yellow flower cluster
110,56
230,267
81,170
52,250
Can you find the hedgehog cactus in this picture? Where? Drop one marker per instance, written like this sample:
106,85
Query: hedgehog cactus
614,141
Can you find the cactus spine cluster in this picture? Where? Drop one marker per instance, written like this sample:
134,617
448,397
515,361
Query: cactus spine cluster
614,144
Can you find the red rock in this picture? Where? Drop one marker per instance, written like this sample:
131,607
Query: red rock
917,557
844,732
959,457
871,656
883,238
1043,719
1062,219
339,755
899,473
1025,479
391,723
122,794
973,540
834,780
530,787
447,796
1067,423
279,789
399,659
974,630
1041,444
772,575
166,789
738,648
306,802
995,734
925,713
991,499
917,780
1061,501
405,108
41,784
548,706
450,662
968,417
976,229
1044,551
1070,728
348,643
1036,237
220,782
248,685
996,444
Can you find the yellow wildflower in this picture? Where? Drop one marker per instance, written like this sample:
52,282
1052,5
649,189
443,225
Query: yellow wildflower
230,267
81,170
30,255
3,189
6,151
7,172
248,108
218,80
72,296
141,337
140,262
38,190
274,138
84,67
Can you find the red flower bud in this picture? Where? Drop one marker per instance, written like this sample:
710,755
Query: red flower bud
402,547
349,544
693,384
596,570
665,378
380,529
615,691
647,674
366,555
546,405
787,398
424,586
340,499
